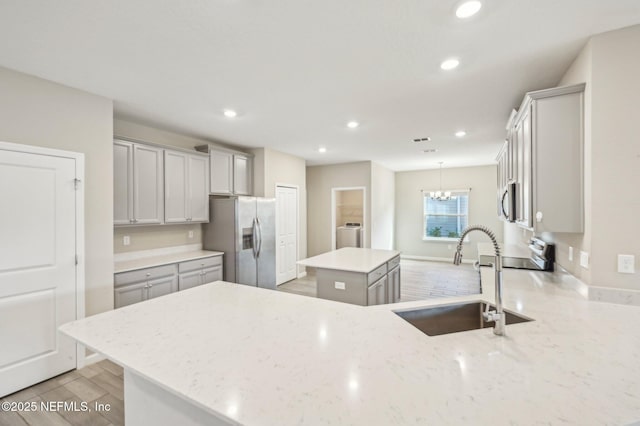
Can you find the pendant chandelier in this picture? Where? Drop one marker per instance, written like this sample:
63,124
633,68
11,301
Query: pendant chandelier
441,195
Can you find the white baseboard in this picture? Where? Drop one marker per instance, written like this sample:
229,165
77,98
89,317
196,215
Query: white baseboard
434,259
93,358
302,274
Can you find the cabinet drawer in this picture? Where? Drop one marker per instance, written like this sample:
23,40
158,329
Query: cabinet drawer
377,274
144,274
193,265
393,263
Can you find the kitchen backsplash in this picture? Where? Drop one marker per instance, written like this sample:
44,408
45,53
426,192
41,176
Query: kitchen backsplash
154,237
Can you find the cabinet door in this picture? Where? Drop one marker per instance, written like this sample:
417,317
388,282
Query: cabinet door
221,172
130,294
122,182
162,286
198,197
393,285
377,292
175,186
190,279
148,189
210,275
525,195
242,174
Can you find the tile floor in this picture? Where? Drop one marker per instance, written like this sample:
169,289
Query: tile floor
97,383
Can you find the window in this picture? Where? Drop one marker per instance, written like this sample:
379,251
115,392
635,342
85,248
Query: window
445,220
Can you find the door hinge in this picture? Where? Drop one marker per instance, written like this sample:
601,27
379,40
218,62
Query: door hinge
76,183
76,259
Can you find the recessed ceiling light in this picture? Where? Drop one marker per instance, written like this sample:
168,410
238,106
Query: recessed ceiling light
461,133
353,124
468,9
322,150
449,64
229,113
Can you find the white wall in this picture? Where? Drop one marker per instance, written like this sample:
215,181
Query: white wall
409,209
320,181
42,113
383,201
273,167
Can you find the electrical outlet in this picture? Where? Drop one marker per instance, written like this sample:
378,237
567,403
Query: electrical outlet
626,263
570,254
584,259
190,234
126,240
340,285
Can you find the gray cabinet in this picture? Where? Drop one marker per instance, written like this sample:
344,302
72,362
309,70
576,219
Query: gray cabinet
377,292
143,284
138,184
544,156
231,172
393,285
186,187
242,174
146,283
201,271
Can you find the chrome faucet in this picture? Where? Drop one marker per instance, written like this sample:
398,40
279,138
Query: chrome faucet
496,316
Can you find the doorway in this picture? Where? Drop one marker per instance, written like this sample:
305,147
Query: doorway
41,272
348,206
286,233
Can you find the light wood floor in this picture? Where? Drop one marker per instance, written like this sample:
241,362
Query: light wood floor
101,382
419,280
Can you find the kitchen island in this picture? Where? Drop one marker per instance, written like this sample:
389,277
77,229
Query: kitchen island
230,354
357,275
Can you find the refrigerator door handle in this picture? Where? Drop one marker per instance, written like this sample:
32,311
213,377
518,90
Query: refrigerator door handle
254,239
259,236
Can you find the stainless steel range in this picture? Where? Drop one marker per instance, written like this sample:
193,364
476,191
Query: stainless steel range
542,257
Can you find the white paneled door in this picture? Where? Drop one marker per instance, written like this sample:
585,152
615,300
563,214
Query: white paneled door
287,233
37,266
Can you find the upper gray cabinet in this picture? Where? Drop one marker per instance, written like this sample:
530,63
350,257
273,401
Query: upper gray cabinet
186,190
138,184
547,160
231,172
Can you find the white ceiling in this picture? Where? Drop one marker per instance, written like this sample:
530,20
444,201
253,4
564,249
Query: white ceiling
298,70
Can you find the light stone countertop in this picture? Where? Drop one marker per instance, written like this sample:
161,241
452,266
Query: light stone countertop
264,357
149,262
350,259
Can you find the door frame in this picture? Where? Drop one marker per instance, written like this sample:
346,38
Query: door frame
297,188
363,233
79,211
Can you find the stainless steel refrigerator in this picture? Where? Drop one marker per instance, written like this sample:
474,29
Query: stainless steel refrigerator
244,228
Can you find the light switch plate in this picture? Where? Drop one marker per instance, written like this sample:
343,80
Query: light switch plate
126,240
190,234
570,254
626,263
340,285
584,259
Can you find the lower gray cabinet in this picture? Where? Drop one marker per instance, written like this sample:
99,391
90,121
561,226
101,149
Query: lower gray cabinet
393,285
143,284
377,292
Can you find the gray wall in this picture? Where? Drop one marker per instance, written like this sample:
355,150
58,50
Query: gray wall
42,113
409,210
320,181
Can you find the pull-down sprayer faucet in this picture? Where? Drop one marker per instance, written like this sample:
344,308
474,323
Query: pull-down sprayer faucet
496,316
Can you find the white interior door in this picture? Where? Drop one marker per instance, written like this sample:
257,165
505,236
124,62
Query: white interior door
37,267
287,233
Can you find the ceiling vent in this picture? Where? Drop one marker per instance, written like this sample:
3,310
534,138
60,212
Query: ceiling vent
427,151
427,139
